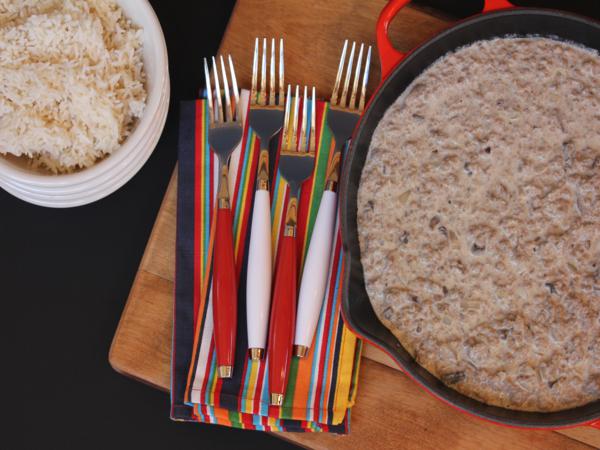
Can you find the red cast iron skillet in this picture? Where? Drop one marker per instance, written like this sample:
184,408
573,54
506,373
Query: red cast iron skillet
499,18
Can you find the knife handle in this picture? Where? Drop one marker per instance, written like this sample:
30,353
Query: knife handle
283,312
224,293
314,275
258,281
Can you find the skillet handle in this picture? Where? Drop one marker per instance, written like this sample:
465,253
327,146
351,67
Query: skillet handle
388,55
494,5
595,424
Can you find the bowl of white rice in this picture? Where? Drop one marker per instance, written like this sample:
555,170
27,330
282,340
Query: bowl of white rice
84,95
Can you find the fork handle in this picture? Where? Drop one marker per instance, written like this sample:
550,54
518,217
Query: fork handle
258,284
315,273
224,292
283,312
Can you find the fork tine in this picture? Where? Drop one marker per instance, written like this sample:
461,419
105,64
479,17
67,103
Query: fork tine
262,95
363,89
294,119
208,91
236,92
254,73
272,75
219,106
281,98
348,75
356,77
338,77
226,89
302,147
313,122
286,119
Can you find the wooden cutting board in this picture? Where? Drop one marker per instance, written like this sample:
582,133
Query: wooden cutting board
391,411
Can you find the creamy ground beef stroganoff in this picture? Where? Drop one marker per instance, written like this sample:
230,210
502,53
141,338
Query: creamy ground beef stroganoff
479,222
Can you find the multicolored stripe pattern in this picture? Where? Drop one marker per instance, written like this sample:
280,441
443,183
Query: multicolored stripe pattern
321,387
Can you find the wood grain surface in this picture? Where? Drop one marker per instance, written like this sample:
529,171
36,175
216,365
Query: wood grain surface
391,411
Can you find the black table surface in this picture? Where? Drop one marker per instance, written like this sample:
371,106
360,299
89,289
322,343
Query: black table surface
65,276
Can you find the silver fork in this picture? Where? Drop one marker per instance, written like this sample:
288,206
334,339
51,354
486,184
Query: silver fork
224,134
342,118
296,163
266,119
343,113
266,109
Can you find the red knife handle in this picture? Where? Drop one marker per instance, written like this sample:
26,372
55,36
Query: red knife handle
224,293
283,319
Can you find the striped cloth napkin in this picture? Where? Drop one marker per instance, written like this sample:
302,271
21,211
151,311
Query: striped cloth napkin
321,387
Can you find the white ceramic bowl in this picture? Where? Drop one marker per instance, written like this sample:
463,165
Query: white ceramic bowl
111,173
84,193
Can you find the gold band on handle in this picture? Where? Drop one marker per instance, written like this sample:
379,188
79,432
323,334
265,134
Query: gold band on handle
223,194
276,399
291,217
300,351
256,354
225,371
333,169
262,176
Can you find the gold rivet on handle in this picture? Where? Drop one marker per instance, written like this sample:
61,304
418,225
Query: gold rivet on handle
256,354
276,399
225,371
300,351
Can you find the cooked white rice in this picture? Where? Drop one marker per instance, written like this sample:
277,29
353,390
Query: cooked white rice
71,80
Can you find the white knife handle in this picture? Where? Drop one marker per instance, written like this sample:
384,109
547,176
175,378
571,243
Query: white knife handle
258,282
316,269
